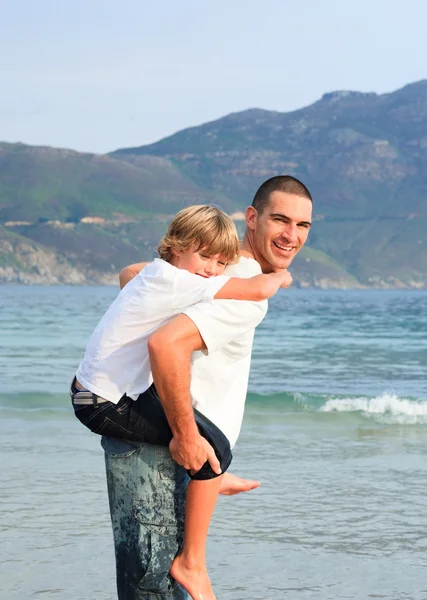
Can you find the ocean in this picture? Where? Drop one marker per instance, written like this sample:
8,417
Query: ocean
335,429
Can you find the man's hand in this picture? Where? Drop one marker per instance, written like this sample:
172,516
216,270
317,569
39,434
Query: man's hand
231,485
193,453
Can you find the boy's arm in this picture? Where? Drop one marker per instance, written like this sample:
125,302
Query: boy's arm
257,288
130,272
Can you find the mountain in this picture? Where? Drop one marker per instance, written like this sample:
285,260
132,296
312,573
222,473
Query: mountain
349,147
363,156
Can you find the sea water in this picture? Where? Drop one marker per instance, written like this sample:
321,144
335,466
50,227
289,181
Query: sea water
335,429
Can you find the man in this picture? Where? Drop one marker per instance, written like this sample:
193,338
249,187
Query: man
206,350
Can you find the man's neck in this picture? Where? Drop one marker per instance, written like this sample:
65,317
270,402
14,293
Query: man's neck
247,249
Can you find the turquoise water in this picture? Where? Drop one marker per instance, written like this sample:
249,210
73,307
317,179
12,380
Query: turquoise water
335,429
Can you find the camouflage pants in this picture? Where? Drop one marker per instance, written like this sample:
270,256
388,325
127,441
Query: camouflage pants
146,490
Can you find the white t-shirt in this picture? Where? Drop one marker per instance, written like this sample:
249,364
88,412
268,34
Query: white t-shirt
219,376
116,361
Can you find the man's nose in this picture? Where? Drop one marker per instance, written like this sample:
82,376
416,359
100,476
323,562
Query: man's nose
291,232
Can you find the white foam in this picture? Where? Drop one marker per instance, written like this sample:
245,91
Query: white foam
387,408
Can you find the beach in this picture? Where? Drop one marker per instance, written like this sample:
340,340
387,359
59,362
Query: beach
335,429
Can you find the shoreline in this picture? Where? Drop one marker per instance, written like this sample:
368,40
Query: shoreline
113,282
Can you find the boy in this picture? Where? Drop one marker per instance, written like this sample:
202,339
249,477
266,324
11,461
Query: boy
112,392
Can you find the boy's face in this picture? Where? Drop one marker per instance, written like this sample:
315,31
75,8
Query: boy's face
197,261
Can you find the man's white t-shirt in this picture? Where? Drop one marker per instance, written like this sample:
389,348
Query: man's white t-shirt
219,375
116,361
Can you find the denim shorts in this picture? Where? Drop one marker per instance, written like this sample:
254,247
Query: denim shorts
144,421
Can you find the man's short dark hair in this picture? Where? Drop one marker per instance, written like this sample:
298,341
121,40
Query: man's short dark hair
280,183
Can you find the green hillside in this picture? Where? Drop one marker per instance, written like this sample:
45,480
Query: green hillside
50,183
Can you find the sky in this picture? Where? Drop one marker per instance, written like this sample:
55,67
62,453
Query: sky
97,75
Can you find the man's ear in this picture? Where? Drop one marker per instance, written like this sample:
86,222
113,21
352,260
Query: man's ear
251,216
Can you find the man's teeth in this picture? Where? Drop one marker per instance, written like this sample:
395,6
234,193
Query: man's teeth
287,248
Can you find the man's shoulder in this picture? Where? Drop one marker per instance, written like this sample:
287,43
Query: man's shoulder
223,321
245,267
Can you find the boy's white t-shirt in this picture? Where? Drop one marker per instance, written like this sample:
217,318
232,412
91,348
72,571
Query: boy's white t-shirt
116,361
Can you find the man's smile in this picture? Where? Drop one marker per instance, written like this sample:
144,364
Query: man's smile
286,249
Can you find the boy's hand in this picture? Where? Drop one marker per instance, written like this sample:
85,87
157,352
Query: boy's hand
283,277
287,279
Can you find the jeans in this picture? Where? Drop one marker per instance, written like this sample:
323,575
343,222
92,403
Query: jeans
146,491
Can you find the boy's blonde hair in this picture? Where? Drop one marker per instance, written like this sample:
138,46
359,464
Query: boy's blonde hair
207,226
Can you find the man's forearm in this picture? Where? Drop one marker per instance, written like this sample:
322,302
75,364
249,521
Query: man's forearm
170,349
170,366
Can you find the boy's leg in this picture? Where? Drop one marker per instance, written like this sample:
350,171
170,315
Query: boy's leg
146,491
189,568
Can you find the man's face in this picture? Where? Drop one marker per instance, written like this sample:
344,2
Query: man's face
280,231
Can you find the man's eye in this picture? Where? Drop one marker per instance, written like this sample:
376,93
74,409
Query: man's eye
205,256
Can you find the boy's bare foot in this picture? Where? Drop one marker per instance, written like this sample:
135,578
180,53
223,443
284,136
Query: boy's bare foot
195,580
231,485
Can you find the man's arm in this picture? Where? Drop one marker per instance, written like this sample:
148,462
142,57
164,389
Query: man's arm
170,348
